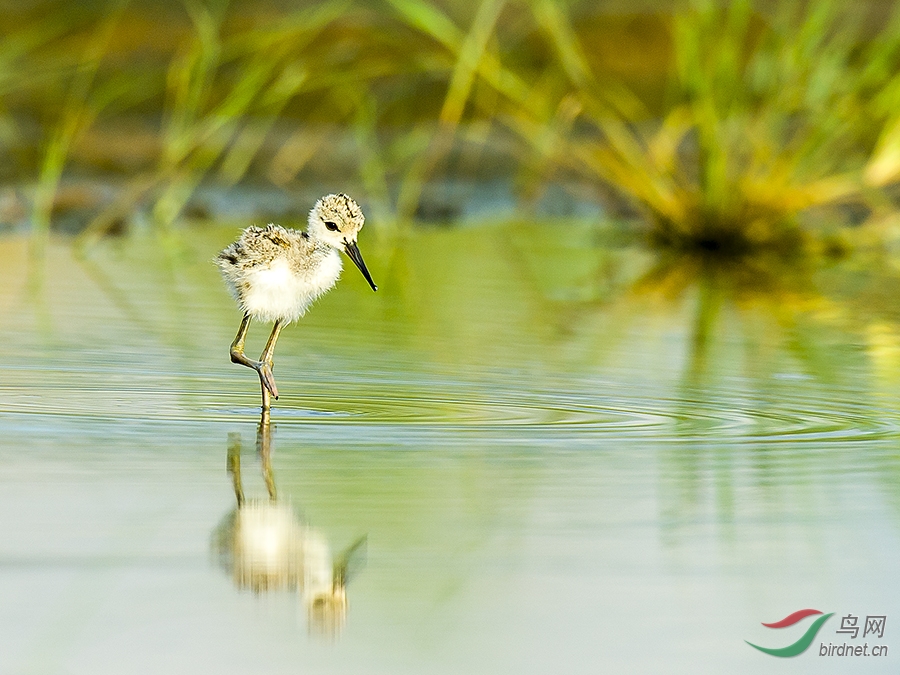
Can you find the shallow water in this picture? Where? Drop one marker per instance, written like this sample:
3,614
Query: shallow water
567,456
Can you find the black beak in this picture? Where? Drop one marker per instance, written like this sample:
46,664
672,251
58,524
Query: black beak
353,251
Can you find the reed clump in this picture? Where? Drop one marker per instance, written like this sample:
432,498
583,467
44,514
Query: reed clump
764,123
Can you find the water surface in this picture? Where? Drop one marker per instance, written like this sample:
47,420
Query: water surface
568,456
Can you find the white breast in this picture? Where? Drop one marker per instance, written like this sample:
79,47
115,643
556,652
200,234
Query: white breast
281,292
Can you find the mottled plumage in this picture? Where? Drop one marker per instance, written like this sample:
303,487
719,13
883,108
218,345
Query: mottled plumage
276,273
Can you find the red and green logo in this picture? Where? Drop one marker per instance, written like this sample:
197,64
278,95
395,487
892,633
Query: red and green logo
805,641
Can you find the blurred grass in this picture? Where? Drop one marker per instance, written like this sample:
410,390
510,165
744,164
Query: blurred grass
82,102
764,118
729,127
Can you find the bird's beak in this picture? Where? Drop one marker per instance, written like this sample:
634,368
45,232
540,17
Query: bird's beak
352,251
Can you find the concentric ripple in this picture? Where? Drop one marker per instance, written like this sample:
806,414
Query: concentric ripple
507,405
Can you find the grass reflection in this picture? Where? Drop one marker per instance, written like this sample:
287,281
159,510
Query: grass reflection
745,379
743,423
764,352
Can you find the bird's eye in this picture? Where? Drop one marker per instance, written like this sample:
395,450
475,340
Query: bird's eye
331,226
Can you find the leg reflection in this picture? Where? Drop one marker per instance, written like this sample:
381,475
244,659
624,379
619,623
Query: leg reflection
264,449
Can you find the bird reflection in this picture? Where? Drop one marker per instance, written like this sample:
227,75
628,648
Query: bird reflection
265,546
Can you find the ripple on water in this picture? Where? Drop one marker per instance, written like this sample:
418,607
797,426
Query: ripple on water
808,416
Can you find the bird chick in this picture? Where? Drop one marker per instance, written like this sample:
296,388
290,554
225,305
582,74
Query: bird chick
276,273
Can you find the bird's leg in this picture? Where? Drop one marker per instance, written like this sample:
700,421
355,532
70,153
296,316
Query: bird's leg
263,367
265,363
266,396
266,356
237,347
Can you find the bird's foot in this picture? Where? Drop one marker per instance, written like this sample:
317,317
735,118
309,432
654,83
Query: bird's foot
267,378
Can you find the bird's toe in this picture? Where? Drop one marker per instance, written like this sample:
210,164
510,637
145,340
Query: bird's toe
268,379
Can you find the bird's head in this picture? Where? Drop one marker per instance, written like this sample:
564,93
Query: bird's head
337,220
326,602
327,611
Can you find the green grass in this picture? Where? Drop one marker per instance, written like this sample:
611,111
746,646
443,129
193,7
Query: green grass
736,130
764,119
85,98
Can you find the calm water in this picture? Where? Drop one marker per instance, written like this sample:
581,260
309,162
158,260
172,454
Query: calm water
568,457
